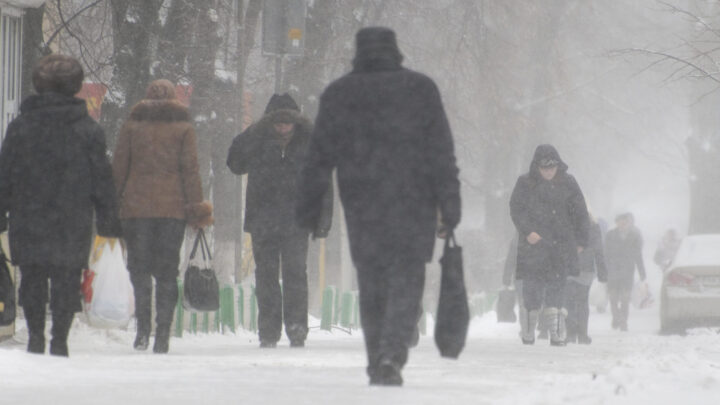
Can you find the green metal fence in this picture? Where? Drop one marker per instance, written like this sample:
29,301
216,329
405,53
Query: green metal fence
339,309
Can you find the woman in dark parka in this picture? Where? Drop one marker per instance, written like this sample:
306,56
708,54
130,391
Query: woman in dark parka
549,212
54,175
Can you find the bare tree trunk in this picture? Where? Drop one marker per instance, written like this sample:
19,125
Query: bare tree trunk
33,46
134,24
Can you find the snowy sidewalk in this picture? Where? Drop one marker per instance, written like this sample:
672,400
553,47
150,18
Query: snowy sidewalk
636,367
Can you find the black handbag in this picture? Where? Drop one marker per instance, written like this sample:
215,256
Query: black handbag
506,306
200,286
453,313
7,292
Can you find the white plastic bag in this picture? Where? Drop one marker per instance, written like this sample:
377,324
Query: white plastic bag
113,303
598,297
641,296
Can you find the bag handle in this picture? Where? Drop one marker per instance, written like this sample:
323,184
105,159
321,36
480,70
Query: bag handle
204,247
450,240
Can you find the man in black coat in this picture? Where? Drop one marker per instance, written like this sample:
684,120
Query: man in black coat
384,128
54,175
272,152
623,253
549,212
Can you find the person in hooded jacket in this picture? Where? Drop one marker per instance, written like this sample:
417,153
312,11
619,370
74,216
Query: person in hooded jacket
549,212
623,251
155,166
271,152
592,264
54,176
385,130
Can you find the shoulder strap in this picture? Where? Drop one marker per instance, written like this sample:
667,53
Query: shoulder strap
204,247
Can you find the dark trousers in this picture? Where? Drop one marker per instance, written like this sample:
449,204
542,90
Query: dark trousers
578,308
390,294
539,291
619,296
273,252
62,286
153,246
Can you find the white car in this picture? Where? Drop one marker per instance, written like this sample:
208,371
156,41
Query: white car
690,293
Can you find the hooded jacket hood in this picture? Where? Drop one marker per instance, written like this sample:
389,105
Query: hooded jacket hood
546,152
55,106
376,50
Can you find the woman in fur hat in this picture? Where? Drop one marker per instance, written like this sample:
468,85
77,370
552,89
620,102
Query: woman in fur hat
155,166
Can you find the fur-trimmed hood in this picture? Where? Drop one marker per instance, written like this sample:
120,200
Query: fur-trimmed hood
167,110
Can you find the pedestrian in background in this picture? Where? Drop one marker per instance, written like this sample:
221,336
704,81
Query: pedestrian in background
54,177
550,215
271,152
592,265
623,251
384,128
666,249
155,166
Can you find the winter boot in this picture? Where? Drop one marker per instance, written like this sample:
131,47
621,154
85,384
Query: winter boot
61,323
162,339
142,338
166,295
387,374
142,286
142,342
35,319
556,323
528,322
584,339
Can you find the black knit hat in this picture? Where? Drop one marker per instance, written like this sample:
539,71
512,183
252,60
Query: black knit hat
371,38
281,102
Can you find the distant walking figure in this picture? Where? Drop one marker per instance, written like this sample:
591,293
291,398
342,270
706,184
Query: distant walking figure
271,152
623,251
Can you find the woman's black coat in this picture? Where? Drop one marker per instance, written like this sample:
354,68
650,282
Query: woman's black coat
555,210
54,174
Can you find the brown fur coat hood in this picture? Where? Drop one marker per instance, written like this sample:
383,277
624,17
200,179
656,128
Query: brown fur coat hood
160,110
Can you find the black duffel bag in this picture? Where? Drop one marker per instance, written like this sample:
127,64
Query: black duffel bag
453,313
201,291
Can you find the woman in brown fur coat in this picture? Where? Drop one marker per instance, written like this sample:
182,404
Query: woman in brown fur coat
155,167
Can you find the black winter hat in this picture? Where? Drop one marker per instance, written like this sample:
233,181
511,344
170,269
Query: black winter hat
281,102
371,38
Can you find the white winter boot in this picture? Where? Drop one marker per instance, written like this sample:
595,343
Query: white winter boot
556,322
528,322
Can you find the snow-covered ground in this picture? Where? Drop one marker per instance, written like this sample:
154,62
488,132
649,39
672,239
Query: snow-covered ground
636,367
